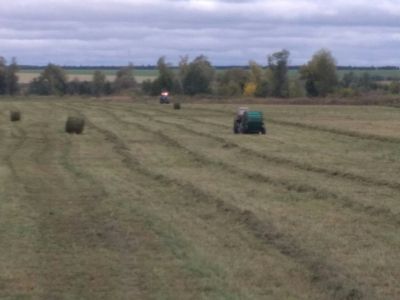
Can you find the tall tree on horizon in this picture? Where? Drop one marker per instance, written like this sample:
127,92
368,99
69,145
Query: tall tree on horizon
320,74
278,73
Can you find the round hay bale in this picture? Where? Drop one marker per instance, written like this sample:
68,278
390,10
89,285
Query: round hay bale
177,105
15,115
74,125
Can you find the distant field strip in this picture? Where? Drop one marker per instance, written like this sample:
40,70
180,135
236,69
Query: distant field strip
26,76
155,203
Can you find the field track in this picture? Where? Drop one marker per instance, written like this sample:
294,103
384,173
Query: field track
155,203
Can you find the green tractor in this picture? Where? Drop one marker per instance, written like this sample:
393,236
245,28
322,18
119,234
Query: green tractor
248,121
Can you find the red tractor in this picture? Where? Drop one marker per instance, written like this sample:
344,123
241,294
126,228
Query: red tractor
164,98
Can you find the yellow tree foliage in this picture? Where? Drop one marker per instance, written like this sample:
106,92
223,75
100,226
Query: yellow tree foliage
249,89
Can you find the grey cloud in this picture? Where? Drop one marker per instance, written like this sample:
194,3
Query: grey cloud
227,31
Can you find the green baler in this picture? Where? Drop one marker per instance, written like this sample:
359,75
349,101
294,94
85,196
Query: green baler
249,122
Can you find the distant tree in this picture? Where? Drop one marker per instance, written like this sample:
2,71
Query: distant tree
73,87
278,73
108,88
3,76
77,87
125,78
249,89
166,79
98,83
85,87
198,76
296,89
365,82
394,87
12,78
320,74
308,76
232,82
183,67
147,87
262,89
349,79
52,81
257,79
255,73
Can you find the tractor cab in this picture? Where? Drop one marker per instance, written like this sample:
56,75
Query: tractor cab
241,110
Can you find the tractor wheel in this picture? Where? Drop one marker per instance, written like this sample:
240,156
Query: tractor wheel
235,127
263,131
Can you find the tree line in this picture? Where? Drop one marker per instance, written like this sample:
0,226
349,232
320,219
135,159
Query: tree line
317,78
8,77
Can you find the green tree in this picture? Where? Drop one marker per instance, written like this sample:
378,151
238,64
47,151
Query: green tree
262,89
198,77
3,76
147,87
232,82
394,87
320,74
166,80
125,78
365,82
52,81
73,87
12,77
278,73
349,80
296,89
98,83
255,73
166,77
257,77
183,67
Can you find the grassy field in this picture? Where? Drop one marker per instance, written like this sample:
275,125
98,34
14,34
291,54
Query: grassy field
155,203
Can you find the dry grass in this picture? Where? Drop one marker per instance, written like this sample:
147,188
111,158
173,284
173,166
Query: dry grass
154,203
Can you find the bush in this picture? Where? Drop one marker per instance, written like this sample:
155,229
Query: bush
177,105
347,92
394,87
52,81
250,89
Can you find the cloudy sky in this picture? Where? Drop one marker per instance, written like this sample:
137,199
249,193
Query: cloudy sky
109,32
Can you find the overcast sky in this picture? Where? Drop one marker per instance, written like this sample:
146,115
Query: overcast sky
109,32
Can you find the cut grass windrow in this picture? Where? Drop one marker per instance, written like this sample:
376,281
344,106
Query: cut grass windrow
326,276
276,159
337,131
354,134
317,193
20,140
189,259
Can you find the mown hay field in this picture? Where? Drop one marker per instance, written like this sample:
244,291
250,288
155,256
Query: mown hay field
155,203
